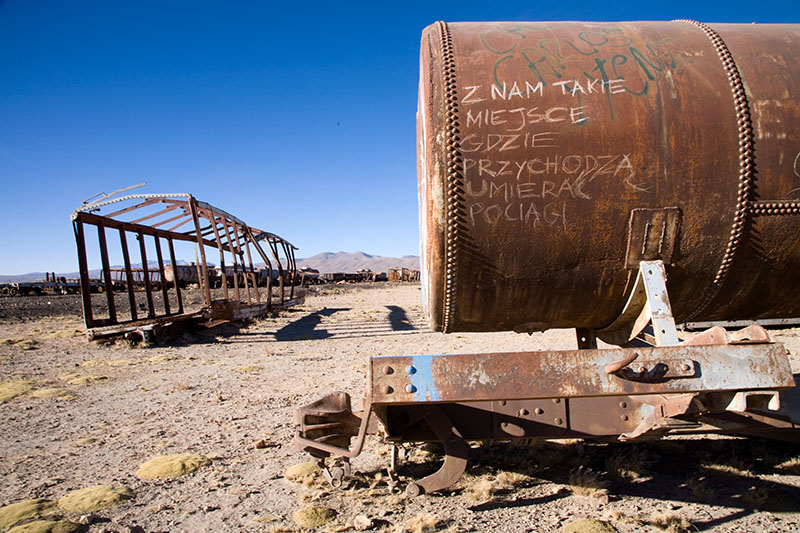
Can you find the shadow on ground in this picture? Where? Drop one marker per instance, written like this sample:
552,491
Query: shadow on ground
739,476
305,328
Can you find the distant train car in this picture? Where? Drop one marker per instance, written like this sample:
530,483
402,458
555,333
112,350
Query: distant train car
187,275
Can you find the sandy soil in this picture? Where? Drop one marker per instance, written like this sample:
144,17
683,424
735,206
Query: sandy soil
228,394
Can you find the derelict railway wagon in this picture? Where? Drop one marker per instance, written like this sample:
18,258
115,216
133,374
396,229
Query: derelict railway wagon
607,177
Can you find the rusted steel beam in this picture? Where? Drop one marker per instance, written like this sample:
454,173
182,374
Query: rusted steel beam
145,203
148,287
215,223
246,237
159,213
109,284
204,270
164,291
577,373
83,267
176,285
235,265
128,274
171,219
92,219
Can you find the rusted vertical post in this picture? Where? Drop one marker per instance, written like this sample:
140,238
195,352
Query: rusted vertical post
148,288
161,270
292,267
128,273
204,271
214,222
246,274
175,276
247,238
274,247
83,268
269,269
587,340
101,237
235,264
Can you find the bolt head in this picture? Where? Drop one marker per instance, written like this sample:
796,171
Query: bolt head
387,389
388,370
411,388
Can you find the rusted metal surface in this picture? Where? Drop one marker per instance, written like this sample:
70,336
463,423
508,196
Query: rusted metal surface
455,460
149,226
576,373
600,176
553,156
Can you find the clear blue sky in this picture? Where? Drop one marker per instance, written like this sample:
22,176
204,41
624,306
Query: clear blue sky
298,117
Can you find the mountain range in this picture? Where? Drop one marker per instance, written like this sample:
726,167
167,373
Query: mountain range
352,261
324,262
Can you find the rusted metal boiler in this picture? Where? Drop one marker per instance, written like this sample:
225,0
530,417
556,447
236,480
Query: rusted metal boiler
608,177
553,157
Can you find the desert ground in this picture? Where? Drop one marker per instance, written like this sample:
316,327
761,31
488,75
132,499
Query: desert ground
76,414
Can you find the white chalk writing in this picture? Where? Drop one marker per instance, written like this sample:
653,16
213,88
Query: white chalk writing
518,118
525,90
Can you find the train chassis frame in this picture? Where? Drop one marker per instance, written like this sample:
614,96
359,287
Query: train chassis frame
715,382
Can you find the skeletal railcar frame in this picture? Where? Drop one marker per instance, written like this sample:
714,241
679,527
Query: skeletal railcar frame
159,217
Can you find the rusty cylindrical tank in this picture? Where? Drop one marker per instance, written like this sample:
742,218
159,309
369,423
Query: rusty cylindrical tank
554,156
185,273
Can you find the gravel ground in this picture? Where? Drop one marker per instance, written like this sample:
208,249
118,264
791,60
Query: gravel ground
228,394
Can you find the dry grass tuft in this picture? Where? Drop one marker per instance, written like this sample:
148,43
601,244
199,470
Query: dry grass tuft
670,522
63,394
63,334
21,342
169,466
756,497
304,473
628,465
252,369
791,465
121,362
11,389
589,525
482,488
313,516
94,498
162,358
700,489
419,524
313,495
17,512
736,469
587,482
47,526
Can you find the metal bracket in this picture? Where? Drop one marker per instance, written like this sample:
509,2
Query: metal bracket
455,461
647,304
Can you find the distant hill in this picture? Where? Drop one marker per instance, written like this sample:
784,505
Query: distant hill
352,261
324,262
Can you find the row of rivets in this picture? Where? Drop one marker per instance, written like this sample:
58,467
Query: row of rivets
746,157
